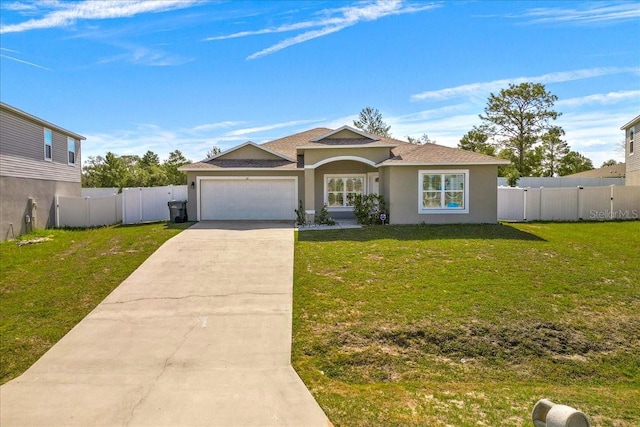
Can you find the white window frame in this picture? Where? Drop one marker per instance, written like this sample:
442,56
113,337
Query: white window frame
49,144
343,175
75,151
632,134
444,210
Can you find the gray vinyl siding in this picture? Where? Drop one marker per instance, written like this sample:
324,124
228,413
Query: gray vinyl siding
22,150
632,160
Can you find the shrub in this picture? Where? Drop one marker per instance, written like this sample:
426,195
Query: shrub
323,217
301,215
368,208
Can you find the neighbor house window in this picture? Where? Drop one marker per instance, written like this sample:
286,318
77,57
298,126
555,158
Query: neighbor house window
71,148
443,191
48,147
631,141
340,189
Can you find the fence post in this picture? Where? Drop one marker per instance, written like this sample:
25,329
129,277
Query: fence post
87,206
140,204
611,216
524,207
579,203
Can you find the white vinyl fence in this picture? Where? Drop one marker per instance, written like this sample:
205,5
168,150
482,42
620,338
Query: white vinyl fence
561,181
132,206
88,211
568,204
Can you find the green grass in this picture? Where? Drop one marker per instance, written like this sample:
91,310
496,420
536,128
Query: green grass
469,324
47,288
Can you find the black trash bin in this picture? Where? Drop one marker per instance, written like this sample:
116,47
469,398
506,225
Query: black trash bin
178,211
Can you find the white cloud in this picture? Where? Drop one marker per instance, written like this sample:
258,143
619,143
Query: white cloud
68,13
484,88
592,13
330,21
141,55
24,62
601,98
247,131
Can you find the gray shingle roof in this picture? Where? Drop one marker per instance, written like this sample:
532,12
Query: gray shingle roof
401,152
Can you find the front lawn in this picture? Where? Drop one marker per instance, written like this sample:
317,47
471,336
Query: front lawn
469,325
48,287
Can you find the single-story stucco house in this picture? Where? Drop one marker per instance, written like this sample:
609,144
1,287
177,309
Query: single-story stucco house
426,183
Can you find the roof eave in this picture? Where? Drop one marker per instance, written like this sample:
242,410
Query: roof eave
319,147
44,123
392,163
633,122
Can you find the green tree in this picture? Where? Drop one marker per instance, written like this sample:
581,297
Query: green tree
370,120
574,162
554,149
609,162
518,117
476,140
214,150
424,139
171,165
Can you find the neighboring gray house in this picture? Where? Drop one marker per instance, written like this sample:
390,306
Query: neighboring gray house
38,160
421,183
632,151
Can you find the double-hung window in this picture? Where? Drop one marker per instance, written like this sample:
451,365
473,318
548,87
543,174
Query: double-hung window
71,149
631,134
443,191
48,144
341,189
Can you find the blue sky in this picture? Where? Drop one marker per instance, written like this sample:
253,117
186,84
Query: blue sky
162,75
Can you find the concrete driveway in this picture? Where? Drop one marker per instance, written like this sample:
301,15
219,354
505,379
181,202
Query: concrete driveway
198,335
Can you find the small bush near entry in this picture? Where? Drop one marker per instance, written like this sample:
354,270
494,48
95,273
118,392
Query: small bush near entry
301,215
323,217
368,208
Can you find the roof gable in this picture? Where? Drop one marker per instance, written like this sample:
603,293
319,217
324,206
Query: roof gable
249,151
347,132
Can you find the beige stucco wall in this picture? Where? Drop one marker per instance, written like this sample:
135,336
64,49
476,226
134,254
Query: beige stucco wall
249,152
192,177
14,202
401,191
374,154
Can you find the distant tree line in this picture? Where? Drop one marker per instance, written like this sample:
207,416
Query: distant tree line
134,171
517,125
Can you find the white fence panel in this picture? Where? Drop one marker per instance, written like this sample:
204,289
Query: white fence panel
569,204
99,192
131,206
562,181
88,211
103,210
559,204
533,208
626,202
71,212
595,203
150,204
511,203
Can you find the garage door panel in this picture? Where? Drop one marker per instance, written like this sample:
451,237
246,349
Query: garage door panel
246,199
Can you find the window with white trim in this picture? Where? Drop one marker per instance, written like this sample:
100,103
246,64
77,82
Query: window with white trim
48,144
443,191
340,190
631,134
71,149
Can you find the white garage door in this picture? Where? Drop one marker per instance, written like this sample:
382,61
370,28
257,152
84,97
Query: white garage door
253,198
